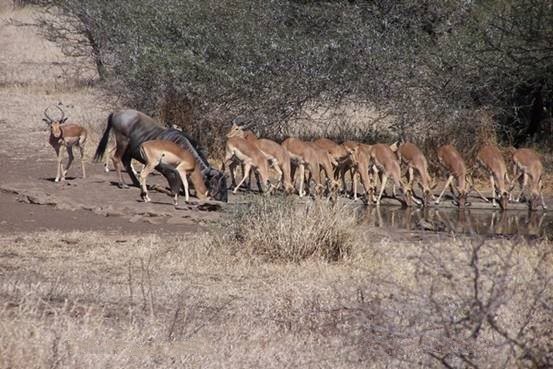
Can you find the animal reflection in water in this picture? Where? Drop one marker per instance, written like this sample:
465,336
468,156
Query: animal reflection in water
459,221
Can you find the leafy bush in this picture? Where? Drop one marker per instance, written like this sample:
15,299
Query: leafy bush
422,62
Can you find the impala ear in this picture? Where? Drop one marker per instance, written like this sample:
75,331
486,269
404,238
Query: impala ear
46,121
63,120
395,146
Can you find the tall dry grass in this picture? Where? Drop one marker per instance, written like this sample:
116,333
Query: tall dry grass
91,300
280,229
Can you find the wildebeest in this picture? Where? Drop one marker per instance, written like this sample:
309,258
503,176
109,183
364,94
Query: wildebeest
132,128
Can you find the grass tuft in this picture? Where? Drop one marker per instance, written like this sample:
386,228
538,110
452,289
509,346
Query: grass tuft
278,229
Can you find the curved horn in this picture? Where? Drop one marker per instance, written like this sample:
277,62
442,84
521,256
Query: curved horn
62,113
47,116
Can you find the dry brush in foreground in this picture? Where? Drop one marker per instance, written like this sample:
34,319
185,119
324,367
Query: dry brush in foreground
91,300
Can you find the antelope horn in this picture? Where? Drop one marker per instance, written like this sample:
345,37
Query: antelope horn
48,118
62,112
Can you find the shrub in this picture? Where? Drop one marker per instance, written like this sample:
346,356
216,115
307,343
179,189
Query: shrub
280,229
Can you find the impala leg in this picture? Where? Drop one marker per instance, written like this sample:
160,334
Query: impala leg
257,180
302,179
447,183
81,151
232,169
375,176
117,160
143,175
184,180
523,185
70,158
342,175
109,156
58,163
354,184
512,185
384,180
493,191
280,179
540,184
247,169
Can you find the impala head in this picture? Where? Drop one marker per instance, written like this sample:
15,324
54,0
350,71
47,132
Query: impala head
534,202
428,197
54,124
353,153
216,183
461,200
235,131
406,194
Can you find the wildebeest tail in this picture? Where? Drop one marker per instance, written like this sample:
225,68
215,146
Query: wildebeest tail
101,149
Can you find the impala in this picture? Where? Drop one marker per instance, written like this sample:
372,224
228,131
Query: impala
339,155
360,167
411,155
162,152
65,135
238,131
453,163
386,163
303,156
528,165
326,164
277,157
245,152
490,158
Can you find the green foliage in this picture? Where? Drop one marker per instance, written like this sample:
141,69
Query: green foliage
423,61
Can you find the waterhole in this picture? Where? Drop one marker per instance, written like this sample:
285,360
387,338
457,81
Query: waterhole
483,222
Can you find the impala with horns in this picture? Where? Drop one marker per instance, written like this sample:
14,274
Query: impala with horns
491,159
162,152
245,152
65,135
277,156
386,163
132,128
528,165
411,155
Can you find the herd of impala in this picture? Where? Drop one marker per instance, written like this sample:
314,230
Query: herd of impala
368,164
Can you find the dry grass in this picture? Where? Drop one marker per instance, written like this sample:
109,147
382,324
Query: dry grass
90,300
283,230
